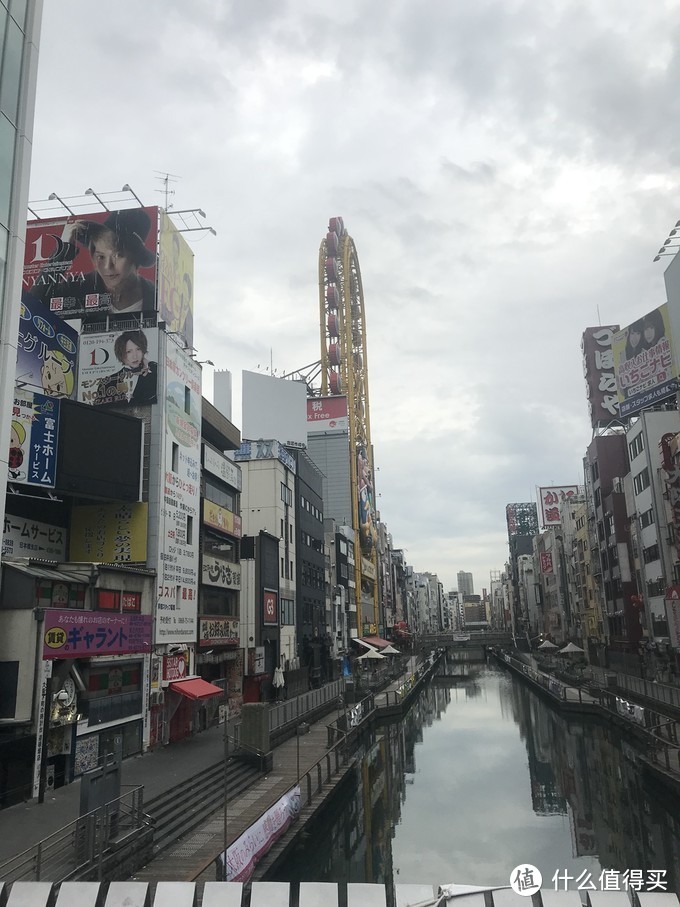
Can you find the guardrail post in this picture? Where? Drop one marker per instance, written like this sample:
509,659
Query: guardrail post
319,780
308,776
328,767
38,861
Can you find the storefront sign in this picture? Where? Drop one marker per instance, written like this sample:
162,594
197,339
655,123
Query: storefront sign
256,660
219,573
221,467
31,538
270,607
70,634
218,631
222,519
174,667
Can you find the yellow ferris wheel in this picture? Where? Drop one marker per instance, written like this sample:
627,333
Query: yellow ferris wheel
344,371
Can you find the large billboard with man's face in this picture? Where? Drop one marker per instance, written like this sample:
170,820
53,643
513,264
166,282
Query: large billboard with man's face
646,370
98,263
118,367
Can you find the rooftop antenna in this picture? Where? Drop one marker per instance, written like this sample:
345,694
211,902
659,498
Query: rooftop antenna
166,179
599,319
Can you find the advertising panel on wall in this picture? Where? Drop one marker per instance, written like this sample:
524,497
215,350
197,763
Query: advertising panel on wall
368,532
646,370
223,468
217,631
270,607
109,533
73,634
175,280
223,574
546,562
550,498
521,519
598,369
30,538
178,577
118,367
101,262
33,440
327,414
47,351
221,519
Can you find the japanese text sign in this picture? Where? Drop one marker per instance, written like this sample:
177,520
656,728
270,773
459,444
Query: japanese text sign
33,440
550,499
598,369
72,634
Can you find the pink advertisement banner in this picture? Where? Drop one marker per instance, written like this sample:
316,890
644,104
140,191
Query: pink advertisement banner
72,634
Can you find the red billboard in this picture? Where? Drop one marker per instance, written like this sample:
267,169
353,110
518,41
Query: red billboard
546,562
270,607
101,262
327,414
600,374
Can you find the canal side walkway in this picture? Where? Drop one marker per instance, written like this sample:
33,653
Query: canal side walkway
657,730
173,766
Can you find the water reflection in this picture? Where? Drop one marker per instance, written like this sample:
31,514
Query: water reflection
480,776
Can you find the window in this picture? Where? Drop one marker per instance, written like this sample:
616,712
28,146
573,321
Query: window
598,497
190,530
281,566
187,399
595,471
286,494
647,518
175,457
636,446
282,534
650,554
108,600
287,611
641,481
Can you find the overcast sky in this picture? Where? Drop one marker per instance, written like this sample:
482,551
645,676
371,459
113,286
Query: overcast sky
505,168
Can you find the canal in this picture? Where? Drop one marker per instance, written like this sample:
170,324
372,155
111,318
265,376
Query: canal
481,776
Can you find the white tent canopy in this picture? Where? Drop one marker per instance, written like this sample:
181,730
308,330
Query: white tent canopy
547,645
370,654
390,650
571,649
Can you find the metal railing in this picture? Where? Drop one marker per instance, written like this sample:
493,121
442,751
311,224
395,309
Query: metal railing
295,709
650,689
81,846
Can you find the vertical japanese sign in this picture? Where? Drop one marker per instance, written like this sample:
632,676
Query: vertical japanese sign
546,562
177,602
33,440
45,676
599,372
550,499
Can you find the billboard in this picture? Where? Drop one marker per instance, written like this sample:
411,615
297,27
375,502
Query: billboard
327,414
546,562
109,533
221,519
73,634
270,606
223,574
220,466
101,262
47,351
273,408
646,370
368,533
23,537
178,578
33,440
522,519
598,369
175,280
118,367
550,498
217,631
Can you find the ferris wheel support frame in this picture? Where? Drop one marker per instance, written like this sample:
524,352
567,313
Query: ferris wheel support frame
353,375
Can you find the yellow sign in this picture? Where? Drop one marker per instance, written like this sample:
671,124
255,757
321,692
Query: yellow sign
221,518
109,533
175,280
55,638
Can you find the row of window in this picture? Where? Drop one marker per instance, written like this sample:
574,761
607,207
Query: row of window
310,508
636,446
311,542
641,481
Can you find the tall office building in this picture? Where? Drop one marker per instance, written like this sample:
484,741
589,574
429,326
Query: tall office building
19,33
465,583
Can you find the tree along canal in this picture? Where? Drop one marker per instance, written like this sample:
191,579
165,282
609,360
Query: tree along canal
481,776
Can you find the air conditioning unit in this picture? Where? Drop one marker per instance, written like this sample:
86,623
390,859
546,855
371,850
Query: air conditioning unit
157,698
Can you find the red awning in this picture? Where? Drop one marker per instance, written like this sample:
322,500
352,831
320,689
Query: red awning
376,641
196,688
